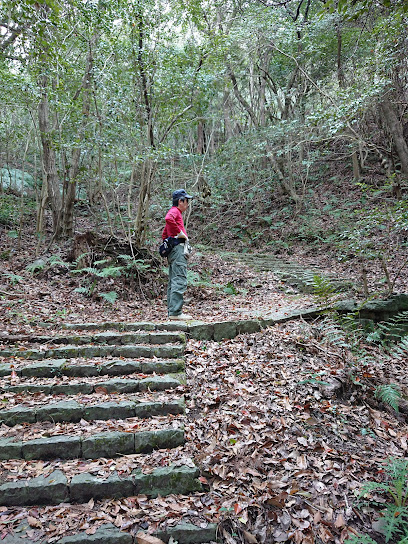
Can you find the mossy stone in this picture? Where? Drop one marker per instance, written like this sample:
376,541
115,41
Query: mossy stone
45,369
168,351
106,534
108,445
53,447
17,415
81,371
162,367
224,330
72,388
158,383
187,533
201,331
109,410
167,480
120,368
86,486
149,409
132,351
6,369
120,386
147,441
10,449
248,326
65,410
51,489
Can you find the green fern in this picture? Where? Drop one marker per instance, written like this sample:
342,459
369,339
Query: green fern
13,278
87,269
389,394
394,520
56,260
360,539
36,266
110,272
102,261
82,290
401,350
109,297
323,287
395,328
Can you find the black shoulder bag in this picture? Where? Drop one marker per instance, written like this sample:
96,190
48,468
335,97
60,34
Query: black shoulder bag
167,245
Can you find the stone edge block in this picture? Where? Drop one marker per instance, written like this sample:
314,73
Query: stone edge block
224,330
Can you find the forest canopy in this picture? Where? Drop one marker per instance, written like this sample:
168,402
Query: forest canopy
105,104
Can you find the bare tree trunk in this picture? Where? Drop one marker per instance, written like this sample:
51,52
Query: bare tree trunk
396,130
200,137
228,130
50,174
148,171
69,201
356,166
340,71
286,184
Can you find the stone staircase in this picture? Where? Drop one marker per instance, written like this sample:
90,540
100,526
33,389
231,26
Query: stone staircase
96,413
292,273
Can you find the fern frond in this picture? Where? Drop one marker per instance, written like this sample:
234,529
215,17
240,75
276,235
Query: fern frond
373,486
394,520
82,290
360,539
389,394
110,272
401,350
109,297
88,269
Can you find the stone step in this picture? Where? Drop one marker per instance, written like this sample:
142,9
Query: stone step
110,338
122,326
69,352
182,533
62,367
55,488
153,383
107,445
70,411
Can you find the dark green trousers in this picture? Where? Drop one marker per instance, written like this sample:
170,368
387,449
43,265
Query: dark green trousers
177,280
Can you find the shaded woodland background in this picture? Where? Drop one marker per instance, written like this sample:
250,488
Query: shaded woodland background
288,120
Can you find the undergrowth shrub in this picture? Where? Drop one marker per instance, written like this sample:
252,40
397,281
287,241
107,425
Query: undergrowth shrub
393,522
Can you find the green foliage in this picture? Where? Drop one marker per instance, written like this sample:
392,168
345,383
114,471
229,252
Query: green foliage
230,289
323,287
13,278
8,210
394,517
36,266
400,351
389,394
314,378
109,297
394,329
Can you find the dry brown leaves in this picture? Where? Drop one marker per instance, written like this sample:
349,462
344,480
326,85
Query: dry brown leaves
285,457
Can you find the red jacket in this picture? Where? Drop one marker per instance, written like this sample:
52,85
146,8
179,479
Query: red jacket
174,223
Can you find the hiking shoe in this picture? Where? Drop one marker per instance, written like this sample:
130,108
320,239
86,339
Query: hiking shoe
181,317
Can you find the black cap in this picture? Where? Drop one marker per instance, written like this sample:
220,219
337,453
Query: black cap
181,193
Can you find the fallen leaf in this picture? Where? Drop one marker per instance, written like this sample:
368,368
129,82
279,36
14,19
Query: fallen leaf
249,537
33,522
143,538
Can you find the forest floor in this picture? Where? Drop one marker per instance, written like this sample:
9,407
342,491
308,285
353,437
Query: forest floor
283,423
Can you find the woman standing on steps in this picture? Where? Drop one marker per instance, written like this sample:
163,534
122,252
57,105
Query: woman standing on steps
178,256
